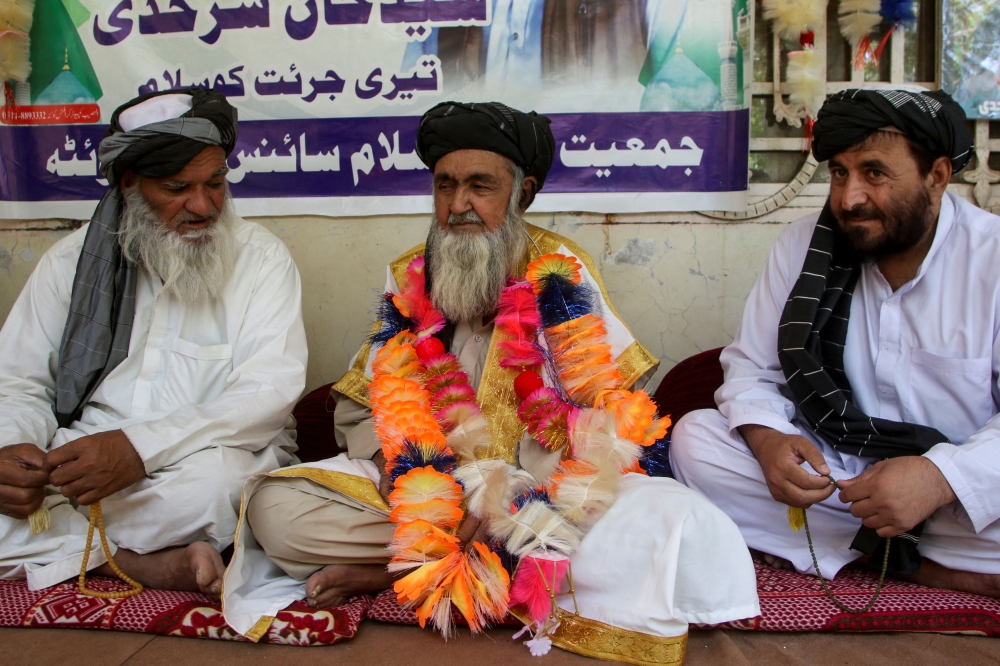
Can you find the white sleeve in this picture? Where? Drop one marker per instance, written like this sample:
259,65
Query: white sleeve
753,374
268,375
29,348
972,468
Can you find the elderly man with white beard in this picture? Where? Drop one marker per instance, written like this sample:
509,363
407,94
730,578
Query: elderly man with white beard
320,530
149,365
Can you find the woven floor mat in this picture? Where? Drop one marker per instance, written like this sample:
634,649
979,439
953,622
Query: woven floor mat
789,601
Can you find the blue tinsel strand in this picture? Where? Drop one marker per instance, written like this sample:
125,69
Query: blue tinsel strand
560,301
392,320
537,494
413,457
897,11
655,459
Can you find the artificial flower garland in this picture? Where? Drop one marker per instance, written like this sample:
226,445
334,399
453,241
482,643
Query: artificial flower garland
550,324
427,420
433,436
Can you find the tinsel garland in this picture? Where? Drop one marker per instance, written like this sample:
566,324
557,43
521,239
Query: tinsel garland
550,326
427,421
431,429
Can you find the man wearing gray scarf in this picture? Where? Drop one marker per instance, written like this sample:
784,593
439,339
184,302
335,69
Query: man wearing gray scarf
150,364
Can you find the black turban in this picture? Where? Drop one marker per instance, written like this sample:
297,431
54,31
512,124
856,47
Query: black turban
161,153
932,119
525,138
102,306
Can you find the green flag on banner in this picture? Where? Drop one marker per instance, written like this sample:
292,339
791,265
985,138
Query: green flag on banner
53,36
77,12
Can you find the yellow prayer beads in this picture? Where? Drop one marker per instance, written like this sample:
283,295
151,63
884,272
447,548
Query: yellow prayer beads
98,517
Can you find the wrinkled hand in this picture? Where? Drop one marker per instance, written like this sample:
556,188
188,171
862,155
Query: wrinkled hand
384,480
94,467
894,495
23,477
780,457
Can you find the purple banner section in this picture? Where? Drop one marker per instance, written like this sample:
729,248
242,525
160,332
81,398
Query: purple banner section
342,157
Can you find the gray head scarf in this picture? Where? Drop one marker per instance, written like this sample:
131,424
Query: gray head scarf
102,306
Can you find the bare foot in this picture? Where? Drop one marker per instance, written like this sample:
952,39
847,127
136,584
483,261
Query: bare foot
933,574
334,584
773,561
194,568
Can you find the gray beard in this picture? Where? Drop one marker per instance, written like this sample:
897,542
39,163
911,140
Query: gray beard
468,271
193,267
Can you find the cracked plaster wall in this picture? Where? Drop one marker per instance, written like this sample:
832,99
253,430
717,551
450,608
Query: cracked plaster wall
680,285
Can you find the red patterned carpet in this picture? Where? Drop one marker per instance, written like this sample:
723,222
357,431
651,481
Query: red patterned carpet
789,602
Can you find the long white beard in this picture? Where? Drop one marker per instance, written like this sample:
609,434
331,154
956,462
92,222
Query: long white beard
193,267
469,271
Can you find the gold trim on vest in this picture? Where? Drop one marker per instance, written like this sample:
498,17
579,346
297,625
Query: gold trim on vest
260,628
358,488
603,641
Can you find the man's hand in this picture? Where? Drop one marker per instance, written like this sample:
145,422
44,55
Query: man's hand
384,480
93,467
780,457
23,477
894,495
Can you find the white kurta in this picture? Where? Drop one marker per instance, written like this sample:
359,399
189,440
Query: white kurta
204,397
661,557
928,353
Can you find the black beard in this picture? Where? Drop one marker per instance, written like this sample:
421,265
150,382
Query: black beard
905,221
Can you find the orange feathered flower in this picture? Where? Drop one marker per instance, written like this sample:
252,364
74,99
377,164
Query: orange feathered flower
461,595
552,264
431,547
393,363
415,584
423,484
388,389
437,511
400,339
408,534
635,416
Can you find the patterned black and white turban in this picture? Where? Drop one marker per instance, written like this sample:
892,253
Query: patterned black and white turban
931,118
154,135
524,138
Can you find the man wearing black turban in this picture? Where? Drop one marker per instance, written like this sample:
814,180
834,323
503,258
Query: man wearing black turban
868,363
325,525
150,363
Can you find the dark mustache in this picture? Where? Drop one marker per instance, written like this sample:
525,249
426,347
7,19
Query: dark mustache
863,212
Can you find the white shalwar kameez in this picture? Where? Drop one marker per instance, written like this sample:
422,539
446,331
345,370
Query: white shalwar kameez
660,558
928,353
204,396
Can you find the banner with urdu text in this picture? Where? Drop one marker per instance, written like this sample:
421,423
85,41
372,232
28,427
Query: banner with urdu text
648,98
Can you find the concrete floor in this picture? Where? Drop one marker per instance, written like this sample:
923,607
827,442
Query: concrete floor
388,645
